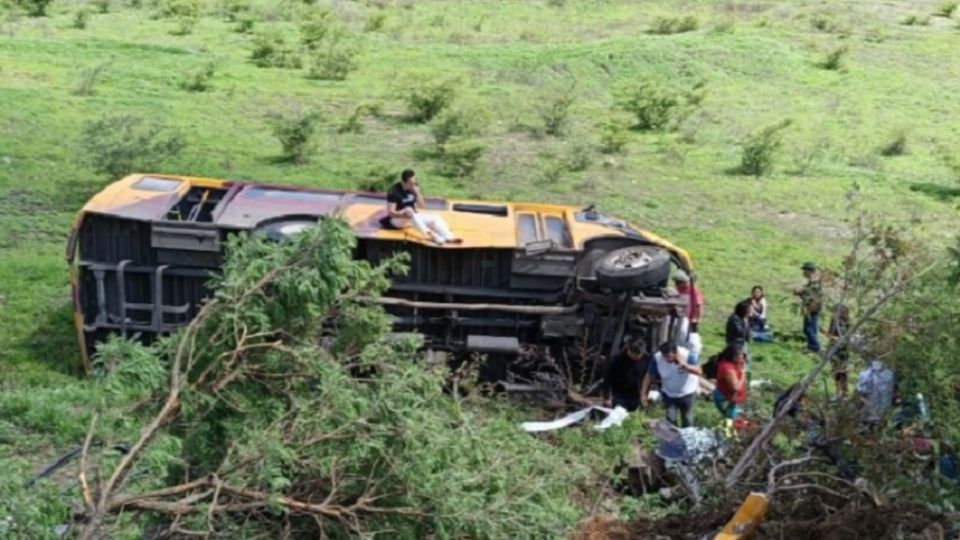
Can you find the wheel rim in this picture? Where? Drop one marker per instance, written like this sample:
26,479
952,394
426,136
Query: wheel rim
630,259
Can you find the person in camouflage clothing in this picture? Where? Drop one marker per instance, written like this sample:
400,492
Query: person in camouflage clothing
811,298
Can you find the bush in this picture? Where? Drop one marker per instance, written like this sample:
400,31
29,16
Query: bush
946,9
579,158
103,6
459,158
651,103
457,123
80,18
760,149
833,61
295,129
375,21
333,58
554,111
88,79
915,20
425,99
270,49
33,8
378,179
897,146
613,136
245,24
120,144
233,10
352,123
674,25
198,80
176,9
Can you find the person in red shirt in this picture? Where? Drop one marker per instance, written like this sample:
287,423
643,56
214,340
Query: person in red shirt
694,296
731,390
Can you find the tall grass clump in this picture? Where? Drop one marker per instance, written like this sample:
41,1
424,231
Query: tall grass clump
946,9
673,25
896,145
554,110
271,49
88,79
115,145
80,18
759,150
198,79
834,58
426,98
295,128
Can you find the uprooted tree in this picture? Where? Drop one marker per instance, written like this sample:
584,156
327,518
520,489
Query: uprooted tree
286,409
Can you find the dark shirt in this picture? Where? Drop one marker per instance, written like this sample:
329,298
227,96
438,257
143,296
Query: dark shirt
401,198
737,331
625,375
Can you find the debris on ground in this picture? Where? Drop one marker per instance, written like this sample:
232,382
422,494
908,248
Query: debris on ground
614,417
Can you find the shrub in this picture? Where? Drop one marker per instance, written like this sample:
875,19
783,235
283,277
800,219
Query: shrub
198,80
375,21
103,6
459,158
674,25
833,61
613,136
176,9
295,129
579,158
352,123
333,58
554,111
33,8
378,179
88,79
426,98
120,144
245,24
896,146
760,149
457,123
651,103
233,10
270,49
80,18
317,26
915,20
946,9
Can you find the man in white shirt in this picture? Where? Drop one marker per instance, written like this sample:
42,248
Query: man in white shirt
679,381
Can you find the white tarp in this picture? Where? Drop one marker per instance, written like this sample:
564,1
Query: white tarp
614,417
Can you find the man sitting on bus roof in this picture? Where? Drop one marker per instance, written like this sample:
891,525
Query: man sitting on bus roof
405,207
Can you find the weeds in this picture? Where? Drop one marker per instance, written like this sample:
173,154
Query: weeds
270,49
915,20
833,61
295,129
333,58
459,158
88,79
613,136
120,144
375,21
946,9
103,6
80,18
554,111
33,8
656,106
245,24
378,179
425,99
353,123
457,123
896,146
198,80
760,150
674,25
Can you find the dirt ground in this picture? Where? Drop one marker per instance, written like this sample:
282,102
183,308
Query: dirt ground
901,522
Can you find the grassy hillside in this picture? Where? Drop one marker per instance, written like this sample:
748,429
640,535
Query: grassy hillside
761,63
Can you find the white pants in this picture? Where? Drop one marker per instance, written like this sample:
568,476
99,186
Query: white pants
430,225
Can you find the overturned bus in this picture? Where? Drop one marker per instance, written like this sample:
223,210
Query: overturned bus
528,281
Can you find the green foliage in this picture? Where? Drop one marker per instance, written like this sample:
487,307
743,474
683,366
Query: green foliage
833,60
946,8
198,79
353,123
825,22
426,97
103,6
271,49
674,25
375,21
896,146
458,123
916,20
329,408
295,129
614,136
554,110
759,150
657,106
459,158
80,18
177,9
88,79
245,24
333,58
33,8
116,145
378,179
578,158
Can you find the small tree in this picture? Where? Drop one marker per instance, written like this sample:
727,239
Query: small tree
295,129
613,136
651,103
426,98
120,144
759,150
554,111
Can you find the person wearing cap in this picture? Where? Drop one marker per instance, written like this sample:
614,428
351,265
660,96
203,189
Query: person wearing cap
621,385
690,324
811,299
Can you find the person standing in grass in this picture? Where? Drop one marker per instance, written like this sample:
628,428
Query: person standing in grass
690,324
731,389
811,299
679,382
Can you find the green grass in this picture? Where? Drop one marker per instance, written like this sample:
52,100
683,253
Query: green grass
759,61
